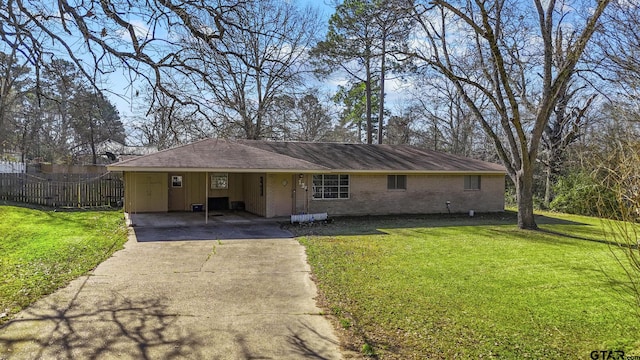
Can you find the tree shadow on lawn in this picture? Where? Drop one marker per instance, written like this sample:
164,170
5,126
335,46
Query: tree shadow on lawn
590,239
573,237
375,225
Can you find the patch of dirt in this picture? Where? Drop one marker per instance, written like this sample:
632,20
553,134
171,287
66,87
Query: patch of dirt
350,342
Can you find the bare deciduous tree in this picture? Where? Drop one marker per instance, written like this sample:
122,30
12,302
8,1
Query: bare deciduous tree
399,129
564,128
619,43
14,84
304,118
167,124
241,73
448,124
505,50
100,37
619,168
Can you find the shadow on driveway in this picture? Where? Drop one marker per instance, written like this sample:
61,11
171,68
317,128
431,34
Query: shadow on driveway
217,231
185,226
89,326
159,298
108,325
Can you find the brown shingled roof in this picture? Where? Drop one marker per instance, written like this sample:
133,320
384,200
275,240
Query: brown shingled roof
362,157
255,155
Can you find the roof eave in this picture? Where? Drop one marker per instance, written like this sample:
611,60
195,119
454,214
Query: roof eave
115,168
191,170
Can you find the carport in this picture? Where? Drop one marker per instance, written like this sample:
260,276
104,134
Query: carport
216,175
225,225
206,193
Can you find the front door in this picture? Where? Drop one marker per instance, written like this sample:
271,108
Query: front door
176,192
299,194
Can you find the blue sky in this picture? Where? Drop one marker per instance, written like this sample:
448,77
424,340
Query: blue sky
129,105
123,92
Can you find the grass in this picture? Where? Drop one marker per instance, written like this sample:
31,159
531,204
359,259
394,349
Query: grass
42,251
447,287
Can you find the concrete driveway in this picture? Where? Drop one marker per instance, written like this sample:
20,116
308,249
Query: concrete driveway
186,299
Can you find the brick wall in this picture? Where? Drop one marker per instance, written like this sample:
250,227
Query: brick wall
424,194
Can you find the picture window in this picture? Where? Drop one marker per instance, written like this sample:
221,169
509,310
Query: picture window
330,186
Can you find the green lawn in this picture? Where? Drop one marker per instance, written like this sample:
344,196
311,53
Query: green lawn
446,287
44,250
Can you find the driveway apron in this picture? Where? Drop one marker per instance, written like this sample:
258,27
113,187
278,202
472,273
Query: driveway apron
187,299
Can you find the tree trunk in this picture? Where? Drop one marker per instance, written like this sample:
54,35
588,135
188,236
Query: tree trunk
368,94
92,143
382,76
524,194
3,140
547,187
94,155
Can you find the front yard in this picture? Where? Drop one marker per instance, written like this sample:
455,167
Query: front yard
398,288
42,251
459,287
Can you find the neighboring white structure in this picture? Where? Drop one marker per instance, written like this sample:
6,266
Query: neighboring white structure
12,167
119,149
113,150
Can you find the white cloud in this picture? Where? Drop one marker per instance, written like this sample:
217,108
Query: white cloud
140,29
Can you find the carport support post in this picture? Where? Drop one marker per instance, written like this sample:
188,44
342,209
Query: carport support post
206,198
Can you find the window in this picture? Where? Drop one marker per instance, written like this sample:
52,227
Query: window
396,182
472,182
219,181
330,186
176,181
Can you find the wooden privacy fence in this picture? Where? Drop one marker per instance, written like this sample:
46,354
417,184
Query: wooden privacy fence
63,190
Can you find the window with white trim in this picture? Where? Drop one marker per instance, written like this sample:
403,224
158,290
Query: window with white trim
330,186
472,182
396,182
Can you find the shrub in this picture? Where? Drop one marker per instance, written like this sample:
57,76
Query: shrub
582,194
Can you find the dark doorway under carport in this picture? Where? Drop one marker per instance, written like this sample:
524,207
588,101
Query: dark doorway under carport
218,203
